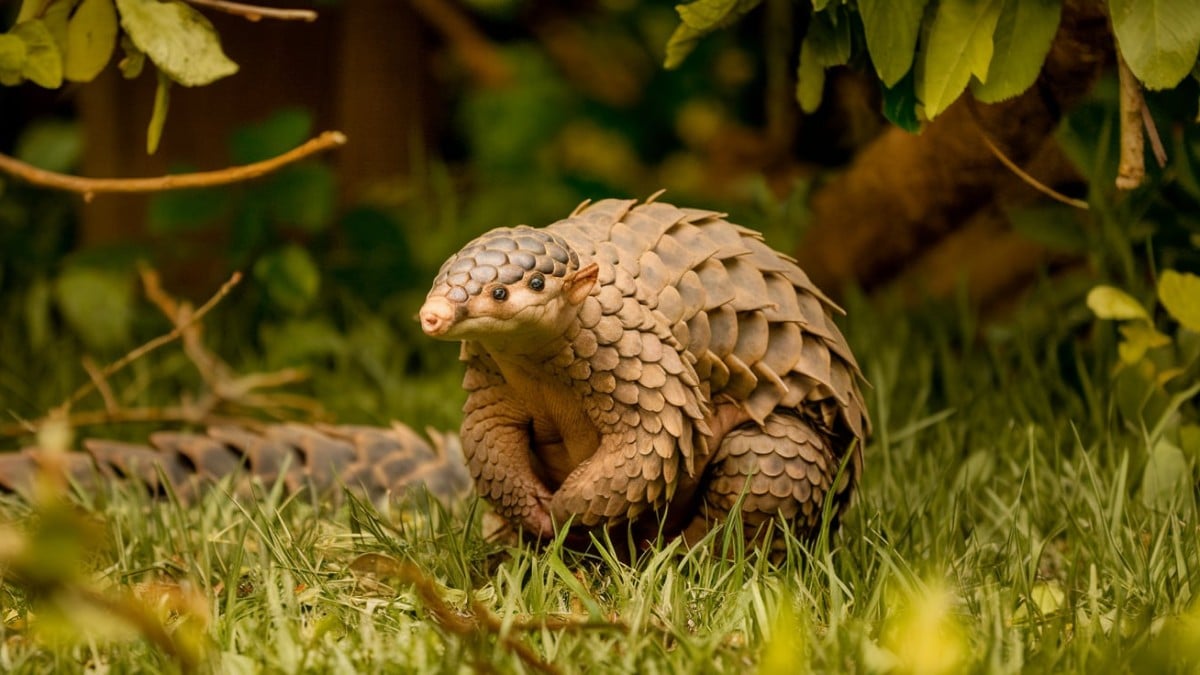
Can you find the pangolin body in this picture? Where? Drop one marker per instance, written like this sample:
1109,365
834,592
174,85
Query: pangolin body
636,363
631,364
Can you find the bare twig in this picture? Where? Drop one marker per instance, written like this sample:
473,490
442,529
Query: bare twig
88,187
477,53
98,379
467,625
1018,171
1156,144
150,346
1132,170
256,13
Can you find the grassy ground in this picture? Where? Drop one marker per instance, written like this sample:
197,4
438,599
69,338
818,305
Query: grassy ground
1006,523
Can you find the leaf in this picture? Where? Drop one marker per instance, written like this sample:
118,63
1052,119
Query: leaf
1139,336
829,34
283,130
959,46
179,211
1159,39
158,117
900,103
1179,292
178,39
705,15
1167,477
290,276
698,19
1022,39
303,196
810,79
1107,302
133,62
97,304
51,144
91,39
826,44
892,27
43,62
12,53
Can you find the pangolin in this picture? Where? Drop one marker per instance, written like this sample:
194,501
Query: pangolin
379,464
648,365
631,364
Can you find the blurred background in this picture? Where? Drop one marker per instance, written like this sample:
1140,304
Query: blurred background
464,115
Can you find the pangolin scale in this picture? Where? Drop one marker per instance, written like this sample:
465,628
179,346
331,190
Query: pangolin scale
634,365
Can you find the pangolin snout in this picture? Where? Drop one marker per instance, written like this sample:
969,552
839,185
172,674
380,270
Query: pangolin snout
437,315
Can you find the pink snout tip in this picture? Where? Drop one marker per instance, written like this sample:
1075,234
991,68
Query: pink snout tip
437,315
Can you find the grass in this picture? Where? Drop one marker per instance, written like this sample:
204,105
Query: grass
1004,524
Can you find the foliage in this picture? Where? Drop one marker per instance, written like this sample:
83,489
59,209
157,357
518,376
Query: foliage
935,50
57,41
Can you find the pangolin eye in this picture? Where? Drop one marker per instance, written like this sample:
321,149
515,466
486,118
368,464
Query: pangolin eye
537,283
500,294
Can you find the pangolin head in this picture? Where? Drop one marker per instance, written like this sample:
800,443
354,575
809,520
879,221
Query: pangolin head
517,282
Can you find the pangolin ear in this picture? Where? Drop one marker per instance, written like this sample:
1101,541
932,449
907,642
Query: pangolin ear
580,284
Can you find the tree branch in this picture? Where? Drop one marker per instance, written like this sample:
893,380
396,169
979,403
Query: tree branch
1132,170
92,186
256,13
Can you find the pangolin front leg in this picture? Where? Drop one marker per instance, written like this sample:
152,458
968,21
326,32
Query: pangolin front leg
496,444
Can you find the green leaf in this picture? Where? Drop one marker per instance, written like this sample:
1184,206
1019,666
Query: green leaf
1139,337
303,196
892,27
12,53
826,44
1179,292
97,304
900,104
29,10
829,35
133,62
43,62
1159,39
51,144
699,19
290,276
283,130
959,46
178,211
705,15
56,17
1167,478
1107,302
1022,39
810,79
178,39
91,39
158,117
